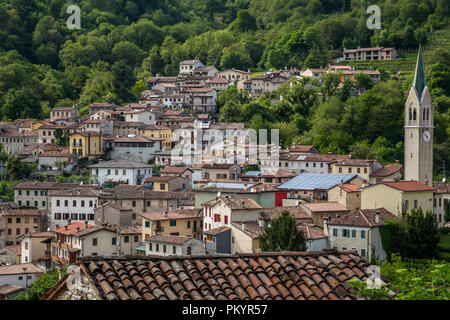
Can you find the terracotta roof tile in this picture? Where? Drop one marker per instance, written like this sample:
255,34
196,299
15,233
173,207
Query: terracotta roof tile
268,276
408,185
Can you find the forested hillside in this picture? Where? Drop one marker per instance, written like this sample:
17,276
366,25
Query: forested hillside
43,64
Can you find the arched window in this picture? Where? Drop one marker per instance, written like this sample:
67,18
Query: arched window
414,114
424,114
428,113
410,114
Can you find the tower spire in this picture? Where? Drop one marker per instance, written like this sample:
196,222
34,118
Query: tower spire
419,75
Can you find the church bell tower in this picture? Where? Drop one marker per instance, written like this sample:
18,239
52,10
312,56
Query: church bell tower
419,125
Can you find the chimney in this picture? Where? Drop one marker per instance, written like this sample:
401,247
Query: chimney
35,228
164,213
325,226
377,217
69,222
85,225
243,225
78,229
342,183
65,227
261,222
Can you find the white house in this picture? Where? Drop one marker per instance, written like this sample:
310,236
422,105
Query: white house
121,171
187,67
22,275
139,148
168,245
141,115
76,204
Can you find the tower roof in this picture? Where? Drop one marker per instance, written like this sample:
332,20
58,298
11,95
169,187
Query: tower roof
419,75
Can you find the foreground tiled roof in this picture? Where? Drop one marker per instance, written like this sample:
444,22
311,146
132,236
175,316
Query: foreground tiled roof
321,275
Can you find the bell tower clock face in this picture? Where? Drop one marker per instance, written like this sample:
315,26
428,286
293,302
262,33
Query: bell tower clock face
426,136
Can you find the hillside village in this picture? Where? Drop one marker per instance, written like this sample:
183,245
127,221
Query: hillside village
167,179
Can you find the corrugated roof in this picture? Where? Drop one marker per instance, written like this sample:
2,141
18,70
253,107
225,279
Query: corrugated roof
314,181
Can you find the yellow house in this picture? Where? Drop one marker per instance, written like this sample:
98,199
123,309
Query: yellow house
181,222
347,194
397,197
159,132
36,125
86,144
167,183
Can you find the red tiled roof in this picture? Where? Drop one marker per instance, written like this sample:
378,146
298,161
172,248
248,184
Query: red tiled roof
387,170
442,187
301,148
17,249
350,187
18,269
174,170
316,275
72,228
168,239
408,185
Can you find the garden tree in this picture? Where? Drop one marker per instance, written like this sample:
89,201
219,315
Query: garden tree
346,89
330,82
363,82
18,170
99,86
41,285
61,139
138,88
232,96
260,107
301,95
420,234
361,150
282,235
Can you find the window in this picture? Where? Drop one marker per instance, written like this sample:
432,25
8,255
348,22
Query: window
83,216
150,247
353,233
363,252
415,204
147,224
9,220
335,232
94,241
365,170
17,220
344,248
164,248
20,192
90,216
345,233
36,203
133,216
226,219
340,170
57,216
173,223
9,232
90,203
114,241
174,250
157,247
189,224
162,186
117,172
82,203
109,172
133,203
126,239
124,172
406,205
136,238
349,170
66,203
43,203
74,203
358,170
18,231
148,203
74,216
26,245
28,192
363,234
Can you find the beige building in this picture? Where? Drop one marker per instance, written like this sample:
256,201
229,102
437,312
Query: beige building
359,231
389,172
234,75
181,222
397,197
321,210
221,171
378,53
35,248
441,201
347,194
70,113
167,183
113,214
363,168
245,237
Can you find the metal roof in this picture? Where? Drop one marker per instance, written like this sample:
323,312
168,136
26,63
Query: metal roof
313,181
223,185
253,173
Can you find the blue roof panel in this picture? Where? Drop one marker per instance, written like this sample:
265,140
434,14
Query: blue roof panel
313,181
